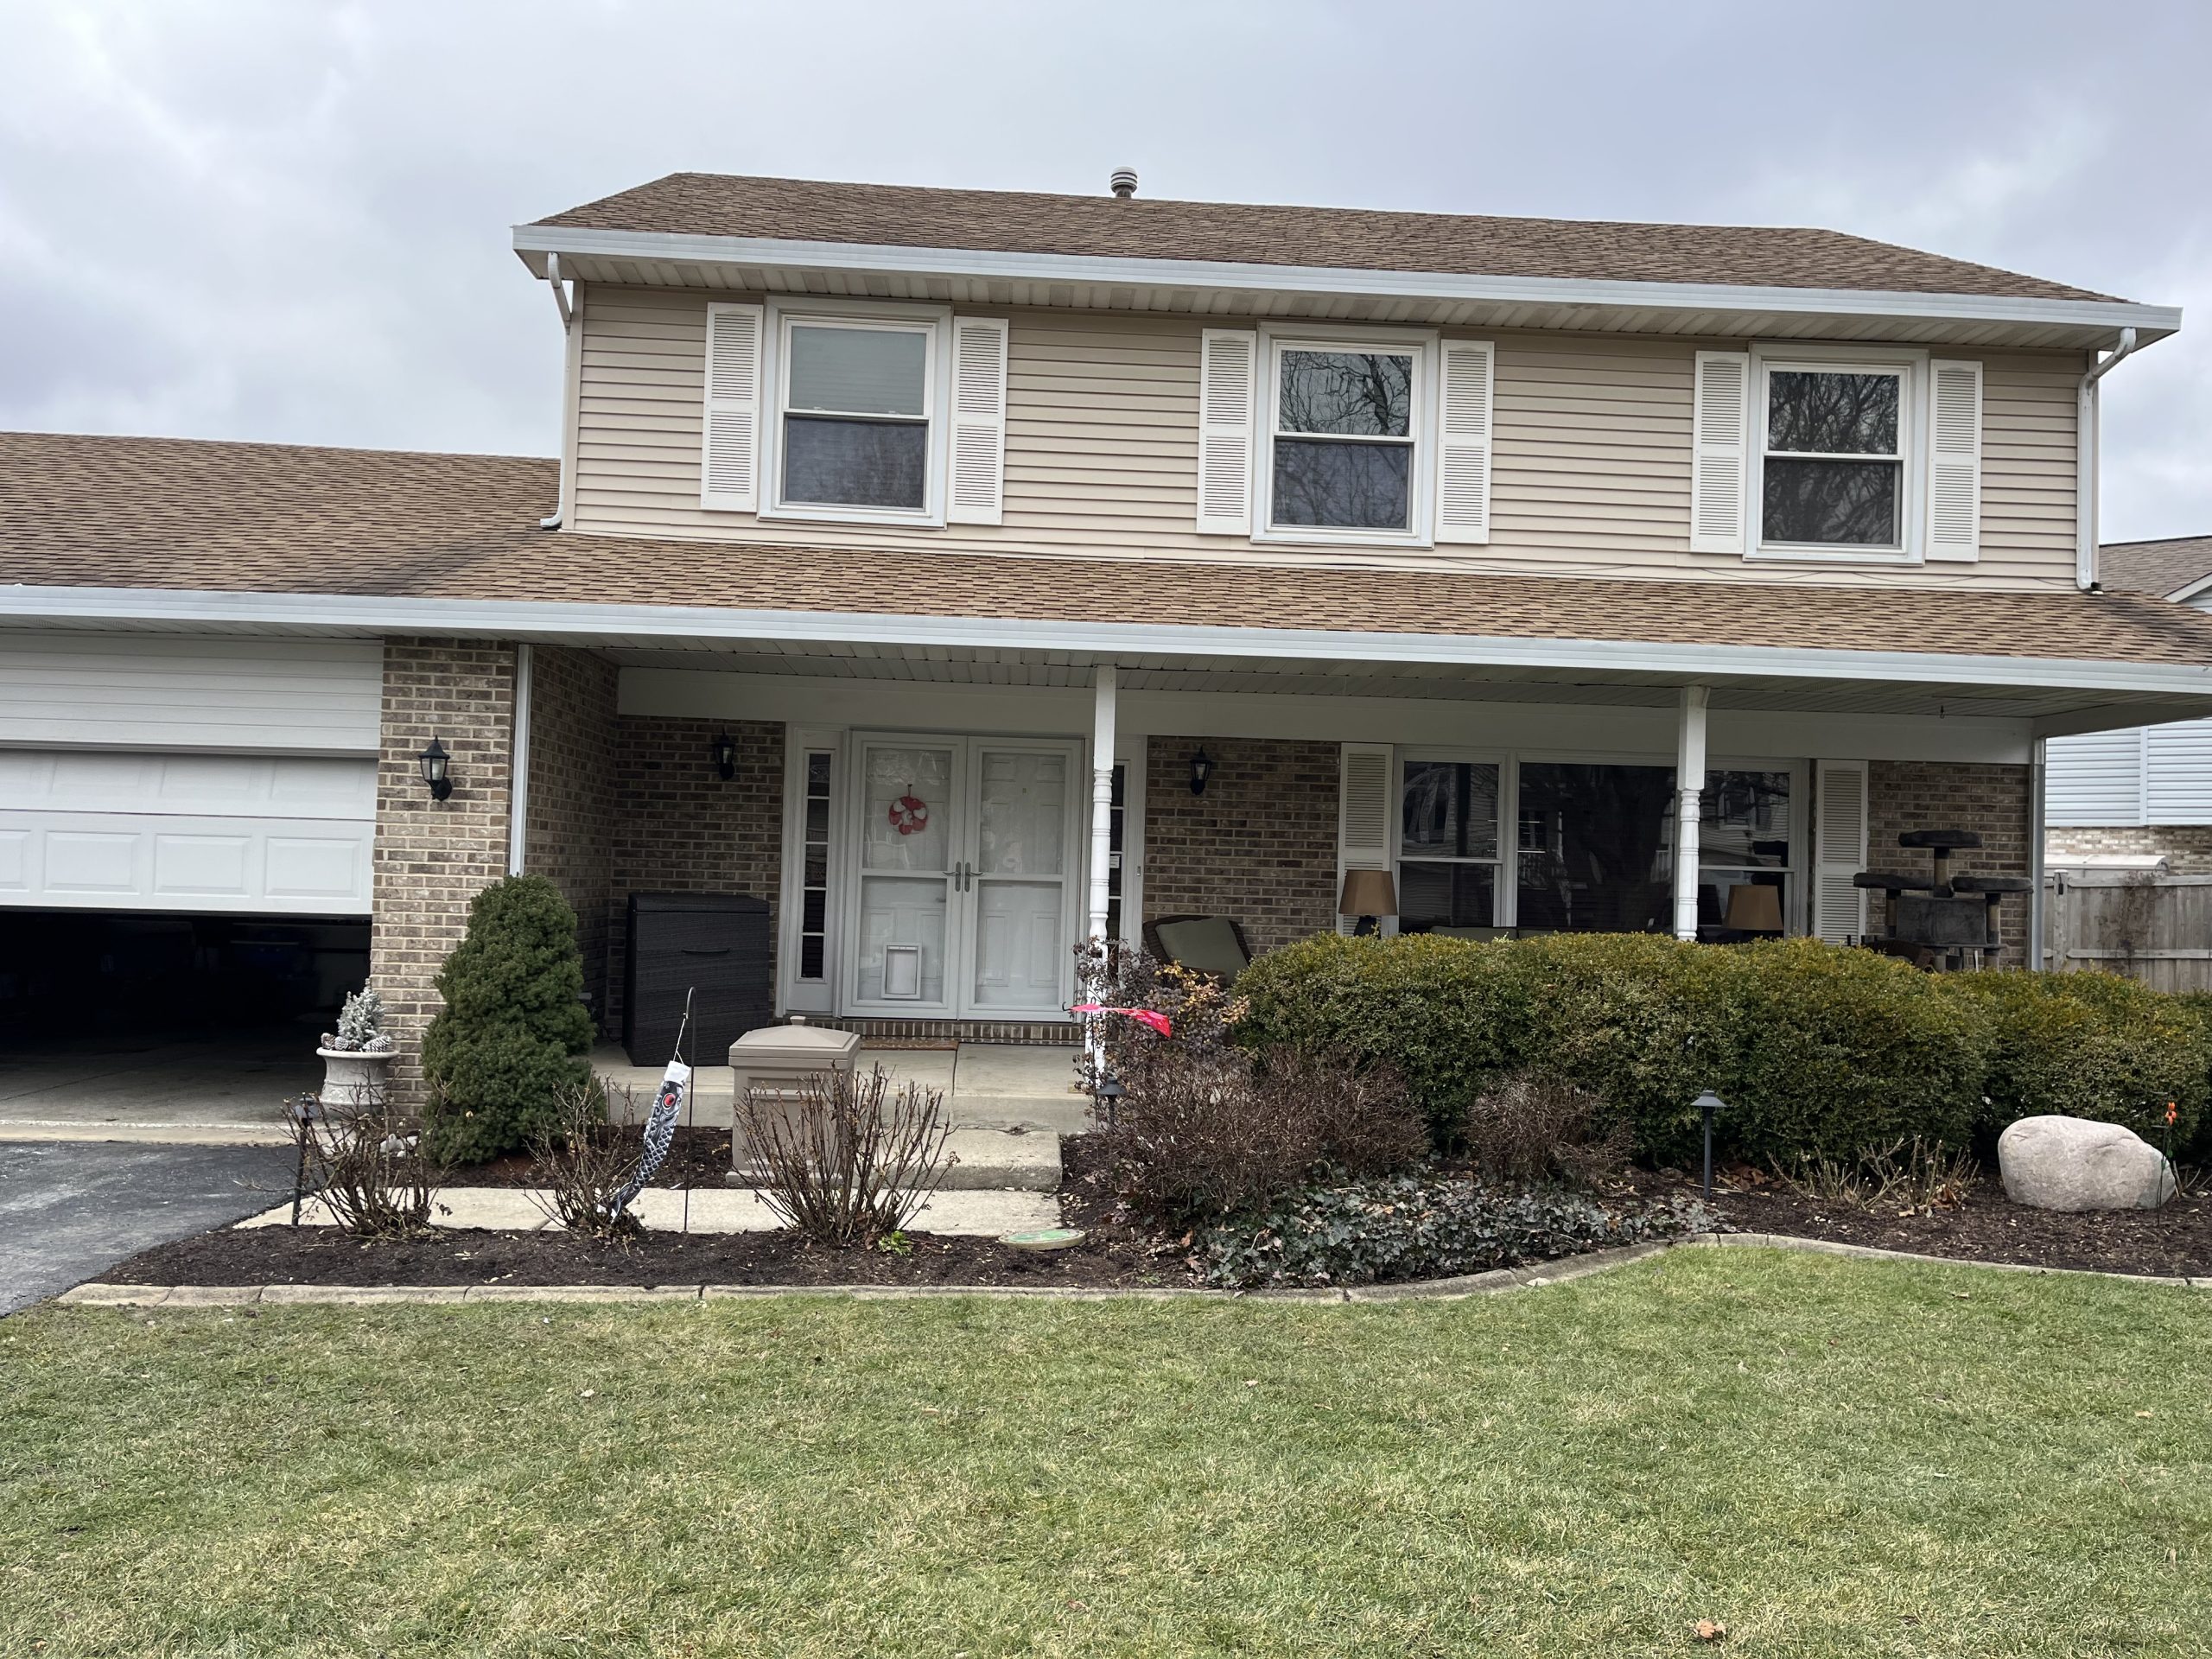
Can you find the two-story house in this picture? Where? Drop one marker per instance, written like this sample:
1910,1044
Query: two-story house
971,573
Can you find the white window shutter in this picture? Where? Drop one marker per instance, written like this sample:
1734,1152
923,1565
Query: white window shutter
1463,447
1839,849
979,371
1363,815
1955,460
1721,438
1227,398
729,463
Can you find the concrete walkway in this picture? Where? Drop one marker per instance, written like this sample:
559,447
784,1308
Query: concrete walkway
710,1210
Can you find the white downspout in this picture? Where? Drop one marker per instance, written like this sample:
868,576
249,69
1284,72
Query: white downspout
571,356
1689,790
518,779
2037,828
2088,440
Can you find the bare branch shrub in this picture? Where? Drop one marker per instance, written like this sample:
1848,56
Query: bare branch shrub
1207,1133
370,1164
1201,1012
581,1162
1915,1174
1530,1127
844,1160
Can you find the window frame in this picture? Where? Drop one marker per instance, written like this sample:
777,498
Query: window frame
1508,805
1422,419
1911,368
1505,908
934,324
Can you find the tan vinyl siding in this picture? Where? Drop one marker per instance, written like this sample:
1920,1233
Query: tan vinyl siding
1592,458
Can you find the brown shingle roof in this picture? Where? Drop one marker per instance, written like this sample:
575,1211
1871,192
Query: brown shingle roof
164,513
2160,567
709,204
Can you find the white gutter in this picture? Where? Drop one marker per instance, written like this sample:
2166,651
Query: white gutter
568,310
2089,438
534,242
552,622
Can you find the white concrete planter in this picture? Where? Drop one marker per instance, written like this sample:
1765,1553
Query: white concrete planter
354,1076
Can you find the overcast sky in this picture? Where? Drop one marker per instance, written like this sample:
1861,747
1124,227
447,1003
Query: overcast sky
290,220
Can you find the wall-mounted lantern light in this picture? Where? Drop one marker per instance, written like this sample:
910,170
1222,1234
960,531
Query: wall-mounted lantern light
1201,769
726,757
433,761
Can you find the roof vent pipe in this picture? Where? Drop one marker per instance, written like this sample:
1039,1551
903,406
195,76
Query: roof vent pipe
1124,183
2088,440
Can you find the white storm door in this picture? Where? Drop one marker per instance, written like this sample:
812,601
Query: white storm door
1018,882
908,846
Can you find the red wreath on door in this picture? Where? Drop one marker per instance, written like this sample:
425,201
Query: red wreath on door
910,814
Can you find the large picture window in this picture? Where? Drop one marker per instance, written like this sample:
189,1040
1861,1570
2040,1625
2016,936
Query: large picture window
855,415
1831,474
1342,444
1591,847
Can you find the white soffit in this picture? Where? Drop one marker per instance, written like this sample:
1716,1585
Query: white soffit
1206,288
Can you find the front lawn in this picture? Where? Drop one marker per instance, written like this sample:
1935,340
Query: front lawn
1828,1457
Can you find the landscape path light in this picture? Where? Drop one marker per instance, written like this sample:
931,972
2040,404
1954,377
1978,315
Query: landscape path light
1708,1103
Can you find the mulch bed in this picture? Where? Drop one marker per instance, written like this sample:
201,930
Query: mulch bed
322,1256
2175,1242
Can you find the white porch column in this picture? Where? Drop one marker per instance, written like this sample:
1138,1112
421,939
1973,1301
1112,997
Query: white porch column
1689,787
1102,793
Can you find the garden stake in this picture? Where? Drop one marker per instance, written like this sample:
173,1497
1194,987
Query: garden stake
691,1101
2170,1152
1708,1102
301,1110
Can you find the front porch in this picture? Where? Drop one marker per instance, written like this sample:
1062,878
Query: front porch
932,827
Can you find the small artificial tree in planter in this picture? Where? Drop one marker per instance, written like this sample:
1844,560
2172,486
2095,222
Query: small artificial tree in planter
357,1057
513,1035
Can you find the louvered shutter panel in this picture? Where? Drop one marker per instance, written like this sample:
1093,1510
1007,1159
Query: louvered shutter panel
978,489
1228,382
1839,849
1363,816
729,464
1721,440
1462,453
1955,460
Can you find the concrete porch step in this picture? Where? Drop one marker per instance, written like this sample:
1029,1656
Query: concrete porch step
993,1158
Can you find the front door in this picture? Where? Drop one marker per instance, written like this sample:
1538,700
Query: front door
964,882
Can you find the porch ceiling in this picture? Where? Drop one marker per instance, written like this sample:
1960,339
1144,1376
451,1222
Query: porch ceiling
962,666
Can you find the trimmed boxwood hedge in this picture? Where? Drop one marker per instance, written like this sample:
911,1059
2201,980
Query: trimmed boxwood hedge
1816,1049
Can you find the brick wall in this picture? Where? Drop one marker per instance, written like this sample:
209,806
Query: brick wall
681,829
1995,800
432,857
571,808
1259,845
2187,847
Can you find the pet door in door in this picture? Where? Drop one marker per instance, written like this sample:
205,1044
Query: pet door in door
902,973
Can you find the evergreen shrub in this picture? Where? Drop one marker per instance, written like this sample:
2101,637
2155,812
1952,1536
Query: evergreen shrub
513,1037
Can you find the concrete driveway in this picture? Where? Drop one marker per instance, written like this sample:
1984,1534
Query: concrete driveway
70,1209
219,1088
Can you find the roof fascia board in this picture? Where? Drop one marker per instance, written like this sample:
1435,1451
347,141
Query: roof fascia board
2189,590
2148,321
551,623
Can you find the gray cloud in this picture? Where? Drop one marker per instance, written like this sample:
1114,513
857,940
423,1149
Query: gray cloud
288,220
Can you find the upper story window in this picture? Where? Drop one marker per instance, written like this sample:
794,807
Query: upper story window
855,415
1832,473
1343,447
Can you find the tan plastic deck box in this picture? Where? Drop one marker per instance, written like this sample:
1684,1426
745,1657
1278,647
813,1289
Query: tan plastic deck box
777,1059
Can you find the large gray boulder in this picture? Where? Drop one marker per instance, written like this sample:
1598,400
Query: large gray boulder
2075,1163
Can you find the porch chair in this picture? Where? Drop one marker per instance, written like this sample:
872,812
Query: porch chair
1205,945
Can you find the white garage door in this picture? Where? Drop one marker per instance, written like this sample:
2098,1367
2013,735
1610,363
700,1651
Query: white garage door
181,773
273,834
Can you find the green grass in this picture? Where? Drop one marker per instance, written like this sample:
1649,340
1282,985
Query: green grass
1830,1457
